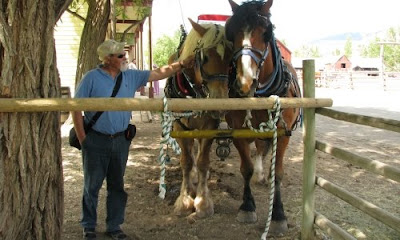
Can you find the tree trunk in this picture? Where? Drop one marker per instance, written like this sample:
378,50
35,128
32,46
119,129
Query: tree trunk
31,177
94,33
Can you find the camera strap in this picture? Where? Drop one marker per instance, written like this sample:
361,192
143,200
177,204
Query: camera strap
114,93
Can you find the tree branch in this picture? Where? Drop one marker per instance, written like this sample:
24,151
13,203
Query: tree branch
75,14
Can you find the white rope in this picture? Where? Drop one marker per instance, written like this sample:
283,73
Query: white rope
166,123
271,125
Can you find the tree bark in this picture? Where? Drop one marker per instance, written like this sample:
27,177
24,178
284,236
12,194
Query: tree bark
94,33
31,177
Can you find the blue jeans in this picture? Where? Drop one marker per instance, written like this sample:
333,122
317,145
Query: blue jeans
104,157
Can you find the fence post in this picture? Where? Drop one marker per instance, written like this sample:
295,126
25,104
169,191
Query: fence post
309,152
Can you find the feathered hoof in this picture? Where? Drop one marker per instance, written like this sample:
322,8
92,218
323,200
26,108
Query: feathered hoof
184,206
246,217
278,228
200,214
192,218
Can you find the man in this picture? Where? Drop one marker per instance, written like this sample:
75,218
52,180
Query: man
104,148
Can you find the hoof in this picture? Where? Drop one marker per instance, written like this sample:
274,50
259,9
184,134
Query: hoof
246,217
192,218
278,228
204,207
184,206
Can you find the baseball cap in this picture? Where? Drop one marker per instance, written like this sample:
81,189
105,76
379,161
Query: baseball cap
110,47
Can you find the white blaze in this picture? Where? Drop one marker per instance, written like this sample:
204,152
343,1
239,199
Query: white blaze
246,60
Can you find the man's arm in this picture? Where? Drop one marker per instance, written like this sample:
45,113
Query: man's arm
168,70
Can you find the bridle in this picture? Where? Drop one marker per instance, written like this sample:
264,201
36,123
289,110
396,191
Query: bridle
252,52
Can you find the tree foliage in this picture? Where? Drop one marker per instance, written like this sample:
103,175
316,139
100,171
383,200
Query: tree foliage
165,47
307,51
348,47
391,52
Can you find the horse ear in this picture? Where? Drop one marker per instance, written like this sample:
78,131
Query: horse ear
198,28
233,5
267,6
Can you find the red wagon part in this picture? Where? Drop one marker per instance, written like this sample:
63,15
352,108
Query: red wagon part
212,18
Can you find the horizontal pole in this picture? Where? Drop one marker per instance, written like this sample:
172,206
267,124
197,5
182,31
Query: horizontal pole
237,133
382,123
331,228
373,166
133,104
357,202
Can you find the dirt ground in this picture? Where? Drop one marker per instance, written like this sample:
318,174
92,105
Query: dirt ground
149,217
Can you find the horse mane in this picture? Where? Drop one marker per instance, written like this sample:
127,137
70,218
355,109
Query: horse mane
247,16
214,37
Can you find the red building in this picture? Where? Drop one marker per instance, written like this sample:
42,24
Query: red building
286,53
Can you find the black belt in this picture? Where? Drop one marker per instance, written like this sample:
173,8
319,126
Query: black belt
109,135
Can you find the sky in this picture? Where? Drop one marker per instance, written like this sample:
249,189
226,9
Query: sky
297,22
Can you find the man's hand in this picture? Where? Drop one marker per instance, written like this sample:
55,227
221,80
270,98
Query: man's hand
188,62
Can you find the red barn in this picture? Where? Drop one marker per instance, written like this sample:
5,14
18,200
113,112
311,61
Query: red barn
285,52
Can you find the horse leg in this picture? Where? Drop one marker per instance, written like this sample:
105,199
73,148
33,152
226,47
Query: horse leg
203,202
184,204
247,211
279,222
194,173
262,148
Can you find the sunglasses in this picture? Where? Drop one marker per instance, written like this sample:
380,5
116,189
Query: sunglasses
118,56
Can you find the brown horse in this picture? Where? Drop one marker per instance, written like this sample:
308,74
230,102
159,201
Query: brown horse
258,70
207,79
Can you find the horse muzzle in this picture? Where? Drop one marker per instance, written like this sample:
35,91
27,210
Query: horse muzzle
217,114
245,88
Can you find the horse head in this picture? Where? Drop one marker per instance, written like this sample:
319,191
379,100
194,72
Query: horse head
251,32
212,59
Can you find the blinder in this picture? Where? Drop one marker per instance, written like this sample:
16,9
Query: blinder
200,60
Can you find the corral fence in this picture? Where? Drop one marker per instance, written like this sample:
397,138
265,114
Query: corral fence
358,80
312,218
310,106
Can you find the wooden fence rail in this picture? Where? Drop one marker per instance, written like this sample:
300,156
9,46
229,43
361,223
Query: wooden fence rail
357,202
132,104
382,123
366,163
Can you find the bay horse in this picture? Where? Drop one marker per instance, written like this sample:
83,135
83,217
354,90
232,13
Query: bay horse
207,79
258,70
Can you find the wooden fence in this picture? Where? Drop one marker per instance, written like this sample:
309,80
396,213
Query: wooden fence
312,218
359,80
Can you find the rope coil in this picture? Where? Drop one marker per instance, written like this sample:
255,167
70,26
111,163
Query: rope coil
271,125
167,118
